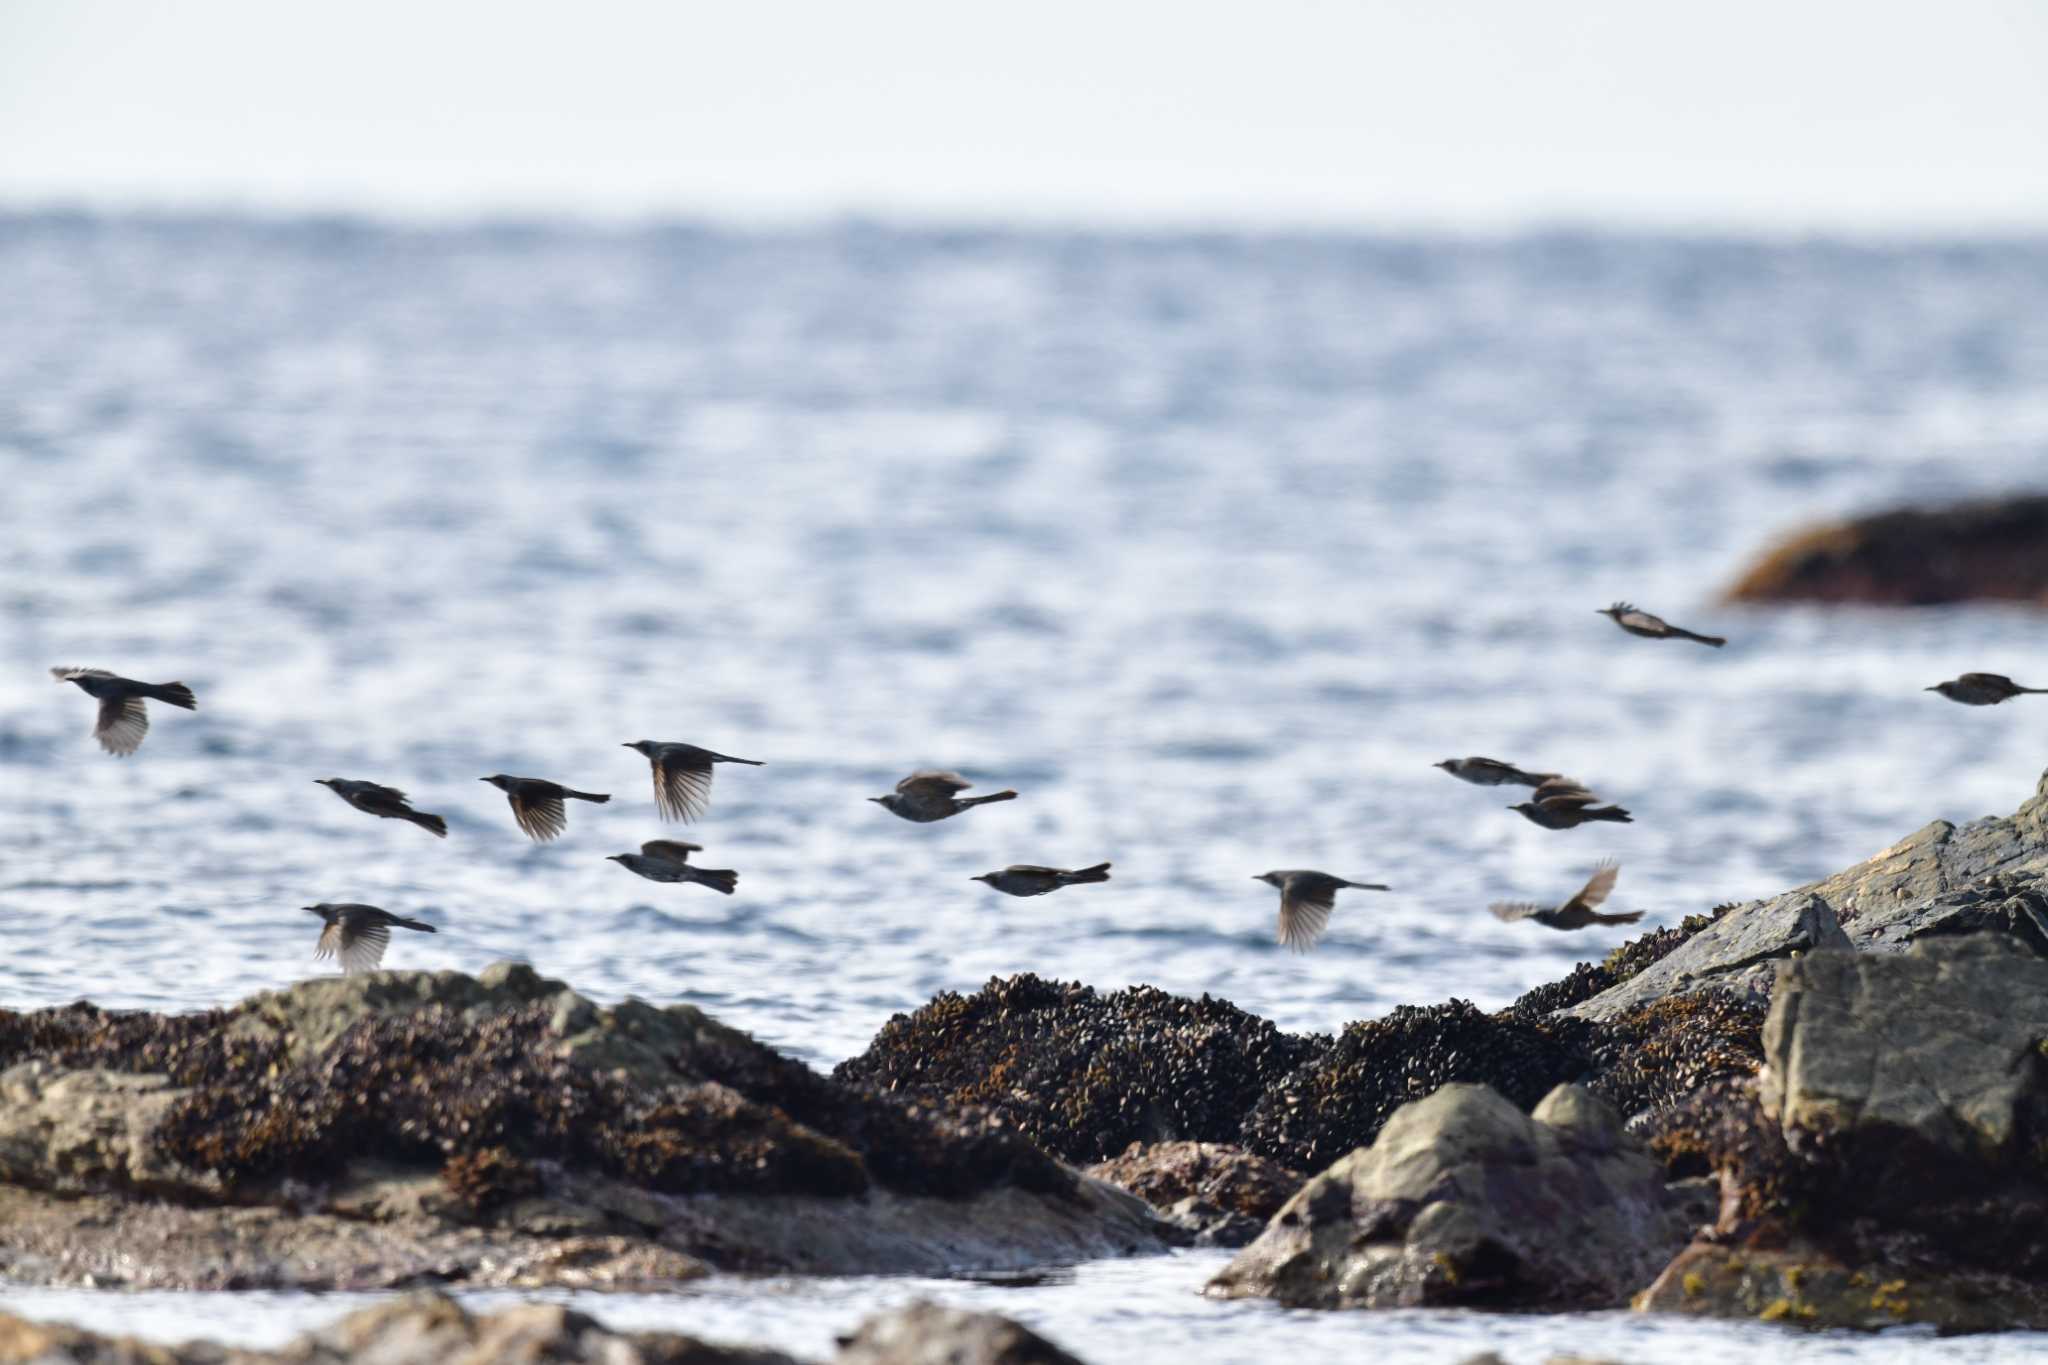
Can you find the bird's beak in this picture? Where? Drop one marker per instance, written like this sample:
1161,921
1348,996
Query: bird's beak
1930,689
615,857
483,779
876,799
625,746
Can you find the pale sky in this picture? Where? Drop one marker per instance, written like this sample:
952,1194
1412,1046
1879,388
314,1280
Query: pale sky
1861,115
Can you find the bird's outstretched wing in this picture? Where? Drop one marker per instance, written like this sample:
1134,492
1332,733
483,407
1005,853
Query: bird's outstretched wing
1304,915
1510,911
675,850
67,674
928,783
122,724
1598,885
541,817
361,952
682,786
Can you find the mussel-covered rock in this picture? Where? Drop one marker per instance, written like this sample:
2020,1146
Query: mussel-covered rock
541,1114
1085,1074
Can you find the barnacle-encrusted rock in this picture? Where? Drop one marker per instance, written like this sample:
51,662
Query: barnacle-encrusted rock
1220,1194
544,1115
1464,1199
1996,549
1085,1074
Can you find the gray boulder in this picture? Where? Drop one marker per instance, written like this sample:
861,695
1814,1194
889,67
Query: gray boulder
1938,1043
1738,953
927,1333
1463,1199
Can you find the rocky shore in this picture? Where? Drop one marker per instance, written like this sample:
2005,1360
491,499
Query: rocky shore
1826,1107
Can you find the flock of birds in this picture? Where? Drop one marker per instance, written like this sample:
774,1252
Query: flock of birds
355,936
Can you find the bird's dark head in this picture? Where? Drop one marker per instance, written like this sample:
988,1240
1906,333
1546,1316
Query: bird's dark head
1946,689
641,745
1614,611
321,910
1449,765
616,857
1523,806
498,780
325,781
886,802
988,877
1270,878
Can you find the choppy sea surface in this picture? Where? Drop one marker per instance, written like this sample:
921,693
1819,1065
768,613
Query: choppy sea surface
1209,545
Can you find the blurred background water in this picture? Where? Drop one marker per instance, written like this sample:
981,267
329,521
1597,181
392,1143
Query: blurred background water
1208,544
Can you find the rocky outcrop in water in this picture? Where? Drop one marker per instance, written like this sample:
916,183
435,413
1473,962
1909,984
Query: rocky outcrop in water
1891,1164
1465,1200
384,1129
430,1329
1995,550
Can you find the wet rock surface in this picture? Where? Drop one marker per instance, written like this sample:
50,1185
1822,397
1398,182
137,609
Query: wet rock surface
509,1107
1218,1194
1991,550
1466,1200
1736,954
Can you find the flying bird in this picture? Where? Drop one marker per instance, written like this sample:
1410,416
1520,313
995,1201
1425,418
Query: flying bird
1642,623
387,802
682,776
537,803
929,794
1576,913
1491,772
1561,803
1306,899
1025,879
1971,689
668,860
356,935
123,719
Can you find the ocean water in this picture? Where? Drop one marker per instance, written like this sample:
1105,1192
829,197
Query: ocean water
1208,545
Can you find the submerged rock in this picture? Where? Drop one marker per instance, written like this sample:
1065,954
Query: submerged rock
1889,1165
1219,1194
506,1106
1465,1200
1995,550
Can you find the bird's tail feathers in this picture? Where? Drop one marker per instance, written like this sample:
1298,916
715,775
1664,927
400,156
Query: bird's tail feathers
1097,873
175,693
1614,813
1715,640
718,878
984,800
414,924
1367,886
1624,917
599,797
433,824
